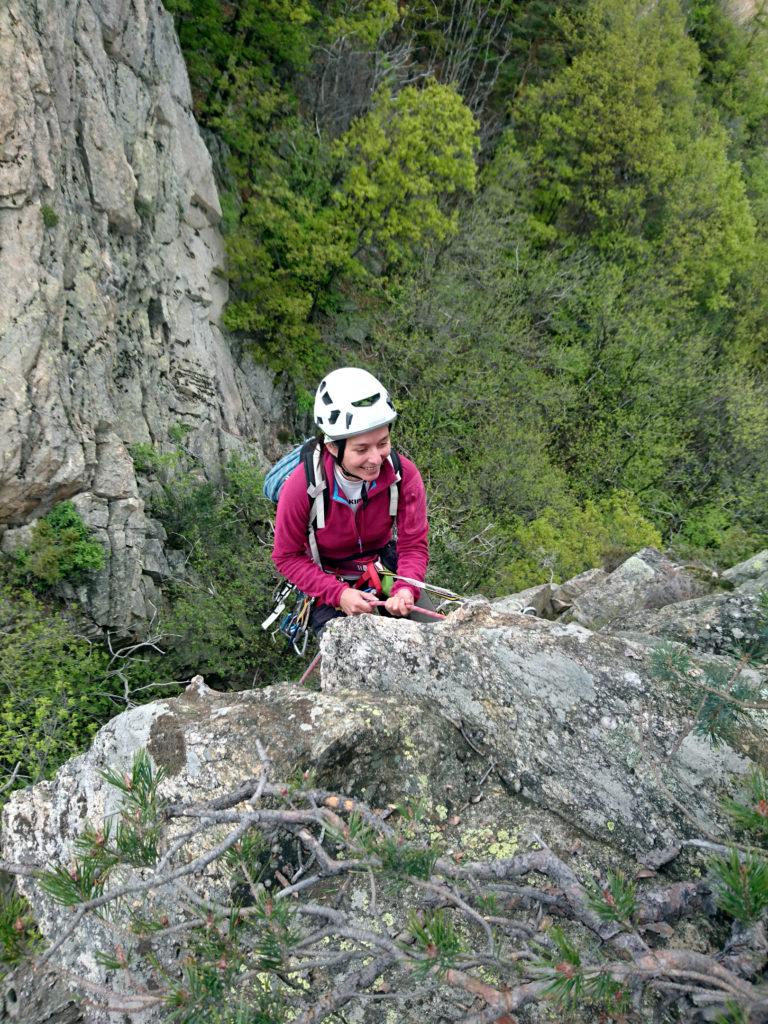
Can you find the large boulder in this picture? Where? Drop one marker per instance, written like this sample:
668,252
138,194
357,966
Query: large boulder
362,743
724,623
510,728
574,721
646,580
751,569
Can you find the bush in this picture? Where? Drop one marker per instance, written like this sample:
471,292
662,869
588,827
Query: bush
18,934
216,613
52,692
49,215
709,533
560,544
61,548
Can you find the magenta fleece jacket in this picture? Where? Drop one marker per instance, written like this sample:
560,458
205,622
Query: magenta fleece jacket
346,535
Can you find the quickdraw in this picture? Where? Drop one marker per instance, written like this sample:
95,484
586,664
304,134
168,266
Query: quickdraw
294,624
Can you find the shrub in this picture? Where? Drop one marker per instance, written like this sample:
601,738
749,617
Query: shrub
61,549
560,544
216,613
149,460
18,934
710,533
52,693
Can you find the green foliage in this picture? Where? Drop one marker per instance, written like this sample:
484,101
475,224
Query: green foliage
52,685
83,880
752,815
365,23
734,1014
436,936
178,432
719,717
150,460
563,542
572,984
49,215
130,837
670,662
405,859
617,900
217,610
563,966
715,692
710,533
733,59
591,173
741,885
404,159
62,548
597,325
631,77
708,233
19,936
137,833
276,934
245,861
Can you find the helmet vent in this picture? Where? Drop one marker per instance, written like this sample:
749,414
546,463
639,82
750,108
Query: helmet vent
351,401
364,403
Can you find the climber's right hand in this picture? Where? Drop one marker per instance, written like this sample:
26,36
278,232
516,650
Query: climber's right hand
357,602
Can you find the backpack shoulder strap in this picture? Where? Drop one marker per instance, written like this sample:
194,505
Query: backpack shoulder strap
312,460
394,487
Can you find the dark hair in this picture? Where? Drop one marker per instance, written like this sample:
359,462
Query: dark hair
341,447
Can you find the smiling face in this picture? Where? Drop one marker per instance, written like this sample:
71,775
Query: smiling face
364,454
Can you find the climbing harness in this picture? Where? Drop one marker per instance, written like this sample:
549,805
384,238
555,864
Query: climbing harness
370,580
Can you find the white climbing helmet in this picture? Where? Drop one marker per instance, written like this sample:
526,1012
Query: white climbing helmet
351,401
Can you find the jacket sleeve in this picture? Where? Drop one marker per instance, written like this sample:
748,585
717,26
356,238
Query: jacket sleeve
290,552
412,528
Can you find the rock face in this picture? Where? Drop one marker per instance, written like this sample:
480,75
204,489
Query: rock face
530,729
575,721
357,742
110,246
646,580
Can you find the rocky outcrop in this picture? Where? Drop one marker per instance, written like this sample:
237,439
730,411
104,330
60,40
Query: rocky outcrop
717,624
510,728
647,580
110,302
752,574
356,742
576,722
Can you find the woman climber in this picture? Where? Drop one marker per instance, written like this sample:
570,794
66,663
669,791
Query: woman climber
340,507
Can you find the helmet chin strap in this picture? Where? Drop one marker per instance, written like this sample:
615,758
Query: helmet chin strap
352,476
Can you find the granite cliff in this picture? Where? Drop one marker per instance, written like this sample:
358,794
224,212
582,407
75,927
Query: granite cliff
110,246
